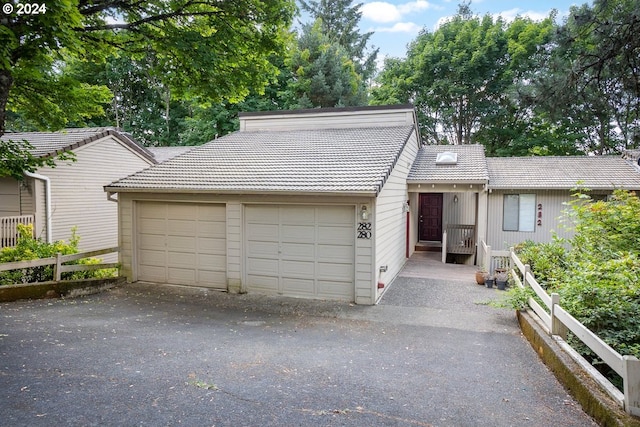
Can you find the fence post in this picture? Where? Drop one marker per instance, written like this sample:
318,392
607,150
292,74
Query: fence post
632,385
557,328
527,269
487,262
57,273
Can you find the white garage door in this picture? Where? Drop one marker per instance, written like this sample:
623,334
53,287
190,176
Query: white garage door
182,243
305,251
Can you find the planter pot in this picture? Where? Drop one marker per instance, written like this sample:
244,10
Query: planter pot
501,284
489,283
479,277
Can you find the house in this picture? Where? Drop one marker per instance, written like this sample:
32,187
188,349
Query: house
71,195
308,203
329,204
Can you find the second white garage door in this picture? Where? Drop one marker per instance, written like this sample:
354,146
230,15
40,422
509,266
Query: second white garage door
182,243
304,251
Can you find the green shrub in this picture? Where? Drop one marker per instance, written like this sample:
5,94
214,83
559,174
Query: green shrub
29,248
547,260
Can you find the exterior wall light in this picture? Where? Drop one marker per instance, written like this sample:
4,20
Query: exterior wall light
364,213
455,199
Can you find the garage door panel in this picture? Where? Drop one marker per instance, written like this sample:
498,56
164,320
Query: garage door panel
298,233
268,267
151,226
298,251
335,235
298,268
210,262
212,246
262,283
177,227
332,253
298,287
298,215
181,243
336,215
151,257
262,215
334,271
262,249
179,276
337,290
263,232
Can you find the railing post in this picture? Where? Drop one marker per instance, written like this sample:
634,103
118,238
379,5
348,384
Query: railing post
57,273
632,385
487,262
527,269
444,247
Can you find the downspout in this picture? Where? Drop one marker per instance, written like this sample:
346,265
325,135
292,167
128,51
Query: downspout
47,194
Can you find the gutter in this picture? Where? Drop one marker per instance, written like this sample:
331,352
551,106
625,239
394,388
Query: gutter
47,192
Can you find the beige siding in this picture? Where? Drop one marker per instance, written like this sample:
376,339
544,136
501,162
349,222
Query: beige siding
27,206
390,218
365,282
77,195
461,212
324,120
9,197
551,203
40,213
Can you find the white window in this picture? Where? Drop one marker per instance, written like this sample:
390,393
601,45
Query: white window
519,212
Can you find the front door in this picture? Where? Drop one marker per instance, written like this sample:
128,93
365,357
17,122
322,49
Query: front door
430,217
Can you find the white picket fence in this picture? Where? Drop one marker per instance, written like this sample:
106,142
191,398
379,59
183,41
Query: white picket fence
557,322
9,228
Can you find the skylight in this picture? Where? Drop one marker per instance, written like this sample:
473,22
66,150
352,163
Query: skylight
447,158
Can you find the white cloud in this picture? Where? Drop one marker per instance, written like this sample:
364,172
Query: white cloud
383,12
400,27
511,14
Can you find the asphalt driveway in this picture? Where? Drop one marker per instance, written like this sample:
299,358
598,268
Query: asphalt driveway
152,355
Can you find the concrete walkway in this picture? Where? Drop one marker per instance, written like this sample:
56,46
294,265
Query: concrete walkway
430,354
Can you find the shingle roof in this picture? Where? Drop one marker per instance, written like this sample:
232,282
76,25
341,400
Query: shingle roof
316,161
471,165
162,154
594,172
51,143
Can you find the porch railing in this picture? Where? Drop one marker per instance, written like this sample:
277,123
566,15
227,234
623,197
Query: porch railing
458,239
9,228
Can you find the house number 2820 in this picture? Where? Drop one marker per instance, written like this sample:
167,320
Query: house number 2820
364,230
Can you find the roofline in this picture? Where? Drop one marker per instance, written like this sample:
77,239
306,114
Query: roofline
573,187
129,142
447,181
112,190
326,110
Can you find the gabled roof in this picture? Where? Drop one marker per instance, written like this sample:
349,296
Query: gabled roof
560,172
470,166
162,154
52,143
352,160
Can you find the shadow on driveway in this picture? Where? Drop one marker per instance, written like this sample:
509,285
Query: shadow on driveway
156,355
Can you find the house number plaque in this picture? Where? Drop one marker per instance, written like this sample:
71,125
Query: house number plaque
364,230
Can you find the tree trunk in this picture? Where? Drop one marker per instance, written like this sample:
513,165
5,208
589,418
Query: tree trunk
6,81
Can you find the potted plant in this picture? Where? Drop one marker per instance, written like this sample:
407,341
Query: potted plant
488,280
501,280
480,275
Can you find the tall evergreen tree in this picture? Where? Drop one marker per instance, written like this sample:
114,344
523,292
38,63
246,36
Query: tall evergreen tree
340,24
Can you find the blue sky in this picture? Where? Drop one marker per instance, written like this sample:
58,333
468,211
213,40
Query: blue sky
397,22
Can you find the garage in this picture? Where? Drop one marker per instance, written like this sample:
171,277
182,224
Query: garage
302,251
182,243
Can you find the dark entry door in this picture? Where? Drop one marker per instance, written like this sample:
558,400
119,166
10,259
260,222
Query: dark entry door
430,217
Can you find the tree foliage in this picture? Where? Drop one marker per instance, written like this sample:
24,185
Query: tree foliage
214,50
463,77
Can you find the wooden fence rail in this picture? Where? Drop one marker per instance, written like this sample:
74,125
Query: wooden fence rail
557,321
59,260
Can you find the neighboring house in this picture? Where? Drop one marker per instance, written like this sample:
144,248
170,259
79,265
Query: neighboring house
162,154
330,203
308,203
71,194
527,195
